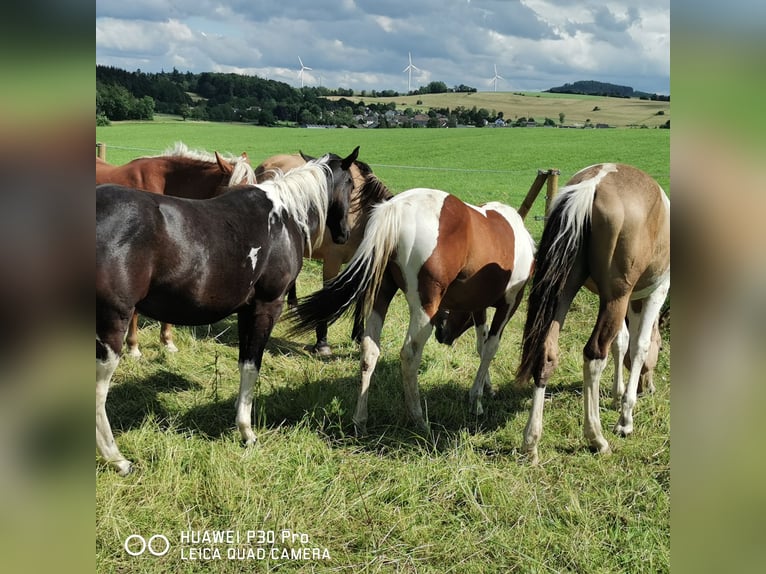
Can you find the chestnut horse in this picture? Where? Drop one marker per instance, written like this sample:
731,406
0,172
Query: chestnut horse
608,229
194,262
368,192
446,256
180,172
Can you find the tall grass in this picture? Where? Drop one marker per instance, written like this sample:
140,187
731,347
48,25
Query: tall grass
463,500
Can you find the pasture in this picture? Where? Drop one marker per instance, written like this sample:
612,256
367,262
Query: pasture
463,501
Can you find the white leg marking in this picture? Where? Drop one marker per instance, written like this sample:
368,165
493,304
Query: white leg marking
412,352
370,351
592,421
534,429
105,443
640,338
619,348
248,375
481,382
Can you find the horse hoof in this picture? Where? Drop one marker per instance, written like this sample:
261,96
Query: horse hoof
623,430
360,430
171,347
134,353
322,350
601,448
123,467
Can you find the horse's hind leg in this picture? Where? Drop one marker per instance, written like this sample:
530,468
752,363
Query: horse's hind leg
611,317
370,350
641,326
166,338
619,349
418,332
107,359
132,338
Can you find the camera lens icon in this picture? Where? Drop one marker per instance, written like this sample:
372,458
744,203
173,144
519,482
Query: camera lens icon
136,545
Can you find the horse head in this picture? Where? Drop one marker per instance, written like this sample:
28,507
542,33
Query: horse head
449,325
340,185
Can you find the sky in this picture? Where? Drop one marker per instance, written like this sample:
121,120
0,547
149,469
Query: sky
365,44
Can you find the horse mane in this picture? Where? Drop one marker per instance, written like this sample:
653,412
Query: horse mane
298,191
242,173
372,192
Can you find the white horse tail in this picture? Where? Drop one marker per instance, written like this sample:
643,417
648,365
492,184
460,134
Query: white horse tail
566,229
359,281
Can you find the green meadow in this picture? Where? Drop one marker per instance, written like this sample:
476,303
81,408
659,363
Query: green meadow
463,500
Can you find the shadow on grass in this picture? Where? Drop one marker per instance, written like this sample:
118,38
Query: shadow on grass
130,402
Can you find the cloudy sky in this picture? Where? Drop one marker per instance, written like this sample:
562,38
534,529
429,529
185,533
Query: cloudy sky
364,44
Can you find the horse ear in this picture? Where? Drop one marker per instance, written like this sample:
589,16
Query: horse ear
346,162
306,158
225,166
244,157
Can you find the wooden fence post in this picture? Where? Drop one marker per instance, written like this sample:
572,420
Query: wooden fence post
537,185
101,151
553,188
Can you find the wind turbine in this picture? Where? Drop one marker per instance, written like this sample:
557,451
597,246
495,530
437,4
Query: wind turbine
409,69
496,78
300,73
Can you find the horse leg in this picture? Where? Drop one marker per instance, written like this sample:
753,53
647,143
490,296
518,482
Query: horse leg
482,333
419,330
370,350
358,329
641,326
292,295
166,338
108,347
619,349
534,428
254,324
330,268
132,338
611,318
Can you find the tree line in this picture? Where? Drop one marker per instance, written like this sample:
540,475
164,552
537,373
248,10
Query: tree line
211,96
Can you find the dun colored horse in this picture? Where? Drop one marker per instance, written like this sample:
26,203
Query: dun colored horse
194,262
368,192
180,172
609,229
447,257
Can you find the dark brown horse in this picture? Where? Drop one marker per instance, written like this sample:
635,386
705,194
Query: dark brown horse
368,192
195,262
447,257
180,172
609,229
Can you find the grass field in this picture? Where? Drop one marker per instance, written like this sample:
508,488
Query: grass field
464,501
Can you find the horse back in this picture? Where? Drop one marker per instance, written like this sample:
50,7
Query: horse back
474,257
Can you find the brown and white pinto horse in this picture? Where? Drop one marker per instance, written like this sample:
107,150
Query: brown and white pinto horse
368,192
180,172
445,255
608,229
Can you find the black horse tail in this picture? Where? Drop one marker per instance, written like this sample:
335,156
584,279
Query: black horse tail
359,281
566,230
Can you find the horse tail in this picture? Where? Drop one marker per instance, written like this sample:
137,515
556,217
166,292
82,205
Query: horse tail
359,281
566,230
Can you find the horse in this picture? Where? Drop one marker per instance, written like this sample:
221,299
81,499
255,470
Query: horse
180,172
194,262
368,192
447,257
609,230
